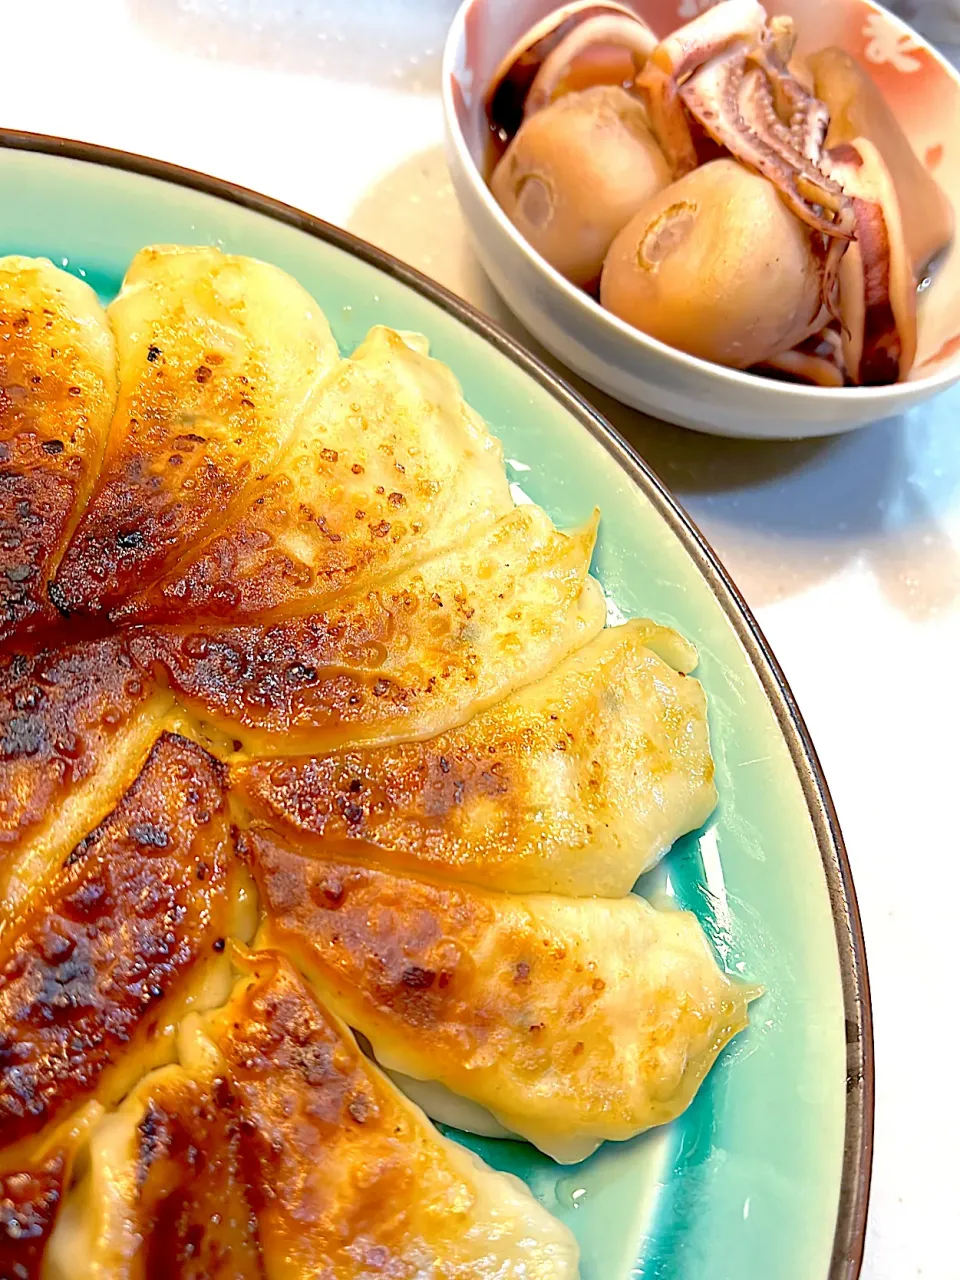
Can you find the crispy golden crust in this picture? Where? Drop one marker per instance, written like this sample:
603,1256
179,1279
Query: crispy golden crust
32,1193
573,785
108,946
29,1199
192,1211
301,555
388,467
216,356
76,723
348,1179
408,660
162,1193
278,1150
573,1020
317,1118
58,388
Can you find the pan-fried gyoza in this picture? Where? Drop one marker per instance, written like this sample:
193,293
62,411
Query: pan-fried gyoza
283,664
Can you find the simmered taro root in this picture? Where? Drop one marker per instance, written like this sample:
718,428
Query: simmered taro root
743,215
717,265
575,173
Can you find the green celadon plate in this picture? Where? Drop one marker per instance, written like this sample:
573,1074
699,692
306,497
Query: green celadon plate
766,1175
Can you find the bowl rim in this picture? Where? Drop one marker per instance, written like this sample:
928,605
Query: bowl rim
913,389
854,1193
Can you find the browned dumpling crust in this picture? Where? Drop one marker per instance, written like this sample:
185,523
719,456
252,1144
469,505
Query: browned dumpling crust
102,956
77,721
166,1194
571,1020
287,661
576,784
58,390
349,1177
277,1150
195,1211
217,354
29,1200
33,1186
409,660
387,467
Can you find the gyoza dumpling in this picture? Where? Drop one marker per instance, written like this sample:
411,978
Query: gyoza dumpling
349,1173
33,1182
405,660
103,959
388,467
76,724
217,355
570,1020
58,389
279,1151
573,785
164,1195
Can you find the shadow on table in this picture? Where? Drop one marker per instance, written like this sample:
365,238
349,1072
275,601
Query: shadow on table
782,514
398,46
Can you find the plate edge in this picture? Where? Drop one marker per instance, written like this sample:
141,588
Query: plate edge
850,1230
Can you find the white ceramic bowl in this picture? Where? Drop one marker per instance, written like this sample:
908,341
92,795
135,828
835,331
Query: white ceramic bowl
921,87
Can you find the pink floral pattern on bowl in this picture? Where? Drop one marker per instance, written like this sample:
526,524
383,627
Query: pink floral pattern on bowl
922,91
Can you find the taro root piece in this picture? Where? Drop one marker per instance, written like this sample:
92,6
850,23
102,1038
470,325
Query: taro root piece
716,265
878,297
728,72
858,110
577,46
576,173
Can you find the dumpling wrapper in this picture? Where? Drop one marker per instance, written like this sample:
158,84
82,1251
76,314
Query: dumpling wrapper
104,958
573,785
388,467
58,390
217,355
32,1190
573,1021
407,660
163,1196
77,722
279,1150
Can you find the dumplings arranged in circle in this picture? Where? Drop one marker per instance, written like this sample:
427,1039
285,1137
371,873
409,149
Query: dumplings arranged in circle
323,790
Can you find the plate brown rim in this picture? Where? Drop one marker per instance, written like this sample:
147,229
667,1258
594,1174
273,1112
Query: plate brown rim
850,1232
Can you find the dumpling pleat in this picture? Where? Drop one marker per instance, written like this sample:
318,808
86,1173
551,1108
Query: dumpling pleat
410,659
217,356
280,1151
387,467
58,392
576,784
572,1020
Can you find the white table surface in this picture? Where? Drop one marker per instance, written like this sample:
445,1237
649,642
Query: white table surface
847,550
